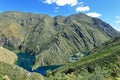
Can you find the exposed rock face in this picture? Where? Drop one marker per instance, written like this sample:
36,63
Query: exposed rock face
52,40
7,56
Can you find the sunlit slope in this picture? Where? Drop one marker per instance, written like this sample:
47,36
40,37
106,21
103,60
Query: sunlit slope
13,72
7,56
103,61
52,39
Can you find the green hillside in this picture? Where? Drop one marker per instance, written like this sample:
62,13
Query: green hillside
13,72
52,39
56,40
102,63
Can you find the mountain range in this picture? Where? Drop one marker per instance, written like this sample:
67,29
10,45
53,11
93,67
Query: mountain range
52,39
56,41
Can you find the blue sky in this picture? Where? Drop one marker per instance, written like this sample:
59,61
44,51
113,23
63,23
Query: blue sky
107,10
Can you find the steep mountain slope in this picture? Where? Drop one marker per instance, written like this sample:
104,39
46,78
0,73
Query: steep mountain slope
52,40
103,63
7,56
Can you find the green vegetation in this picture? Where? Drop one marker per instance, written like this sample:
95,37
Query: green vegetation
103,63
97,75
52,39
13,72
1,77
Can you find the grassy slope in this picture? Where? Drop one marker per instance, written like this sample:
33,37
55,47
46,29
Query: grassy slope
9,71
52,40
103,63
7,56
12,72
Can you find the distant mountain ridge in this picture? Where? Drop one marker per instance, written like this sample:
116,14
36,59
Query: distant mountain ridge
52,39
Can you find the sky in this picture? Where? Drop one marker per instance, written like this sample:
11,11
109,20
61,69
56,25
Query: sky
107,10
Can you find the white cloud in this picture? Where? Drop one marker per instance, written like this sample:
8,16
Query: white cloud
82,9
62,2
118,17
93,14
49,1
118,21
81,2
56,9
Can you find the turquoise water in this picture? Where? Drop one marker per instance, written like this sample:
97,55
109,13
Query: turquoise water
43,69
26,61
